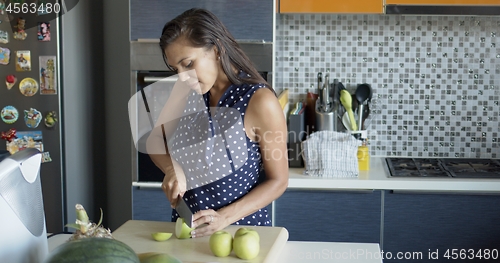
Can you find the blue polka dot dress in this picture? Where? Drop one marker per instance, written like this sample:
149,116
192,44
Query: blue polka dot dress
244,165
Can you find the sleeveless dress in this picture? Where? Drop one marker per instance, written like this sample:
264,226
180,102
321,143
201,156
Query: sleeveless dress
222,192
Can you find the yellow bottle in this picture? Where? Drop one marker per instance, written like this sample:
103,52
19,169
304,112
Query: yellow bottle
364,157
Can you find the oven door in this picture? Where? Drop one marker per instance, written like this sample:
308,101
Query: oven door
145,171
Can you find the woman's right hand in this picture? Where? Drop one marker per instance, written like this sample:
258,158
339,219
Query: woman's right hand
174,184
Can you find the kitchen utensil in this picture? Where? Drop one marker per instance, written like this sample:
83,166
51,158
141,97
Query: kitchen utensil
366,113
346,121
183,210
346,100
363,93
320,81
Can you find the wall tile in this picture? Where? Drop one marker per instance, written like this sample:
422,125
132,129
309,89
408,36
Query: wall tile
436,79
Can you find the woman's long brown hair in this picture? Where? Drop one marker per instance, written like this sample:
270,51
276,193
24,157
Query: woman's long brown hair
203,29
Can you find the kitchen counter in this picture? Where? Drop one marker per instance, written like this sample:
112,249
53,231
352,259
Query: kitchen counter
378,179
136,234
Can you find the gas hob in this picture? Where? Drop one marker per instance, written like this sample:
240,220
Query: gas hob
443,167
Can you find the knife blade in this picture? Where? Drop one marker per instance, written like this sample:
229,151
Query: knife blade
183,210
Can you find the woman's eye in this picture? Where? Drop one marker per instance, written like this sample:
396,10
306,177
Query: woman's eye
190,64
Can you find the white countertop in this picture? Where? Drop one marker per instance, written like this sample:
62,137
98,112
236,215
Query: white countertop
378,179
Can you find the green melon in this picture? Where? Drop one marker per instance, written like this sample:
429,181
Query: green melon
93,250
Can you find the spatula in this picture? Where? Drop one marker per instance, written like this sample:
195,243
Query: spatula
346,100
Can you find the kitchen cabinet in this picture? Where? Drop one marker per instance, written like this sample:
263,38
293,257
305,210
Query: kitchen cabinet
330,216
327,6
442,2
418,222
150,204
246,20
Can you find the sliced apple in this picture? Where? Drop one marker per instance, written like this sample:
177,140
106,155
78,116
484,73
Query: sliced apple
182,230
161,236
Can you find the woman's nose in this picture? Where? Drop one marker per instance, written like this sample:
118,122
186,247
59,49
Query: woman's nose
183,76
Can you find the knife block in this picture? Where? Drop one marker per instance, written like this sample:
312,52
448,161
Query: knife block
296,134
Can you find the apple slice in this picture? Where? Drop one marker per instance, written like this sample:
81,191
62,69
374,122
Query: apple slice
182,230
161,236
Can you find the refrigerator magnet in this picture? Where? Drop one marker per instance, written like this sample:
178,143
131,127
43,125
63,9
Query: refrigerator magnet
9,114
20,34
4,37
2,7
32,118
28,87
4,56
50,119
43,31
23,60
10,81
48,73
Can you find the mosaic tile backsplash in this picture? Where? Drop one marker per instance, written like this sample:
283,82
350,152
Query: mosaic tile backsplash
435,79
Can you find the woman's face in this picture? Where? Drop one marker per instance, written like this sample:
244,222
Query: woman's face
198,67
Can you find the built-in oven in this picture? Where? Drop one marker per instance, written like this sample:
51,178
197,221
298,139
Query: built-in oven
148,67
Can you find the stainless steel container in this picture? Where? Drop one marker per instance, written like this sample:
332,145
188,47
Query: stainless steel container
326,121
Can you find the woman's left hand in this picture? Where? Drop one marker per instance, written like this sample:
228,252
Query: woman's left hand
214,221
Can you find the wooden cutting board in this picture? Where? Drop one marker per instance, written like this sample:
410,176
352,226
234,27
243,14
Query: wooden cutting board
137,234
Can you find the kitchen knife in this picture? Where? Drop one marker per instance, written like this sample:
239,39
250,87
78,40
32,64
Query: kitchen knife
183,210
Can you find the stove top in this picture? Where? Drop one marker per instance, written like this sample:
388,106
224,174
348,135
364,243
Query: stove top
443,167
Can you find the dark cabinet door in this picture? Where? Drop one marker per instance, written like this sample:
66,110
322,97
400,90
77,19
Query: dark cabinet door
150,204
429,223
246,20
330,216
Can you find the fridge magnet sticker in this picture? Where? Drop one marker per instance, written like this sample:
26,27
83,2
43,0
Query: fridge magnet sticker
28,87
43,31
9,114
2,7
32,118
48,73
10,81
9,135
26,139
23,60
20,34
4,56
4,37
50,119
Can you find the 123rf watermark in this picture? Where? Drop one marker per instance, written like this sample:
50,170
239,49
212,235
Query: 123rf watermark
365,254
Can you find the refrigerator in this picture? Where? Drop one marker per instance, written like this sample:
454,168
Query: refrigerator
30,94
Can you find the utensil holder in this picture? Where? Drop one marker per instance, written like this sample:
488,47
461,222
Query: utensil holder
326,121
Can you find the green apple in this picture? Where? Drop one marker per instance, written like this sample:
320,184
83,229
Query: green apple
155,257
221,243
246,245
161,236
182,230
243,230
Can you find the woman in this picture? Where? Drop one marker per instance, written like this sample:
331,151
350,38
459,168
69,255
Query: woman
197,41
